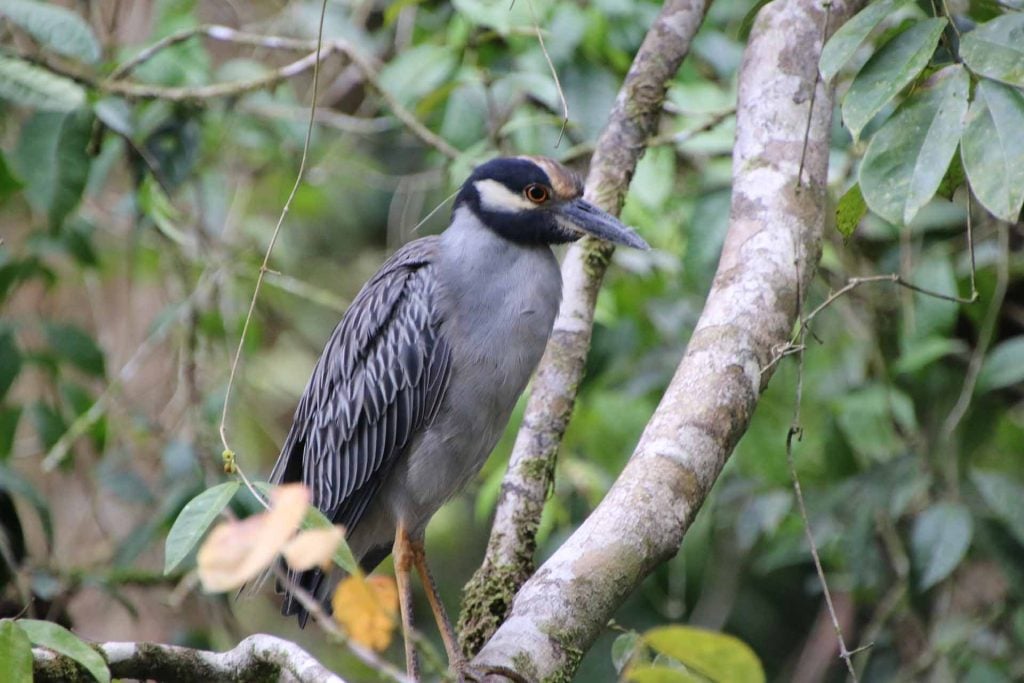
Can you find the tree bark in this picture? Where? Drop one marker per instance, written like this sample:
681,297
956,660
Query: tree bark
508,561
773,244
257,658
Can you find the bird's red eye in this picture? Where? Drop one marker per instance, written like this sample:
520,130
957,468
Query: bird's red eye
536,193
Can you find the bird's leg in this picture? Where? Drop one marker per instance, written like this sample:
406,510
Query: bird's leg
404,558
451,644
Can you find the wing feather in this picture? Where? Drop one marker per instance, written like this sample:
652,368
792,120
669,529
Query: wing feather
379,381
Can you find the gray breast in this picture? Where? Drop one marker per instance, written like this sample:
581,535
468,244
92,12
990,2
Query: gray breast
499,302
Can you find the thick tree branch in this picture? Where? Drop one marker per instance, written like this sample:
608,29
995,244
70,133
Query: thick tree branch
770,252
633,120
258,657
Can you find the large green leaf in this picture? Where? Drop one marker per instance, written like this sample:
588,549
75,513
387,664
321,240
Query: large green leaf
59,639
996,49
30,86
660,673
15,653
908,157
194,520
844,42
993,148
418,71
16,484
73,344
939,541
54,27
1004,365
52,158
889,70
718,656
1003,497
10,360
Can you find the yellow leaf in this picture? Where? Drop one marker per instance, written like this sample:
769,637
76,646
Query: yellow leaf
367,608
312,548
237,551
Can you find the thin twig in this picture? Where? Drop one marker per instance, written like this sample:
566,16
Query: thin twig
985,334
827,5
222,429
554,74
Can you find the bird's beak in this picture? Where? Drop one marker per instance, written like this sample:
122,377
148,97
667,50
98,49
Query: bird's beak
587,218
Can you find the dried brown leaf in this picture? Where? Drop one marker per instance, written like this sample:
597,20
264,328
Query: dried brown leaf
313,548
237,551
367,609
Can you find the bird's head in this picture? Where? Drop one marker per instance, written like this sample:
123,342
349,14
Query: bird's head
536,200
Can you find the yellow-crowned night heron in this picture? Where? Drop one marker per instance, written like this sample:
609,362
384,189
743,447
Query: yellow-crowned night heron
419,378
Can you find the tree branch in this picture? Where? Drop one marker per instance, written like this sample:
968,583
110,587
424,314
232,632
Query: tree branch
258,657
509,558
770,253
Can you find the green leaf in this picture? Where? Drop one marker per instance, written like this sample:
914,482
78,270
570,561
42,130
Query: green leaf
31,86
623,648
16,484
49,424
194,520
418,71
939,541
1003,496
993,148
850,209
1004,365
889,70
10,360
55,27
717,656
15,653
996,49
844,42
74,344
657,673
9,416
500,16
8,183
52,158
954,178
59,639
908,157
315,519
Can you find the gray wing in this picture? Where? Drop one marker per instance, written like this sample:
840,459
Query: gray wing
378,383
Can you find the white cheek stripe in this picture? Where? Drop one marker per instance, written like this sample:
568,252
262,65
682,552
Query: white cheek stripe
496,197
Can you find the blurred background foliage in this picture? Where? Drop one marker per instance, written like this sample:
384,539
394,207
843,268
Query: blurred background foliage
133,229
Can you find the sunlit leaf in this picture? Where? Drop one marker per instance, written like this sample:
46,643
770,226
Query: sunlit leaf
843,44
718,656
993,147
59,639
367,608
30,86
850,209
996,49
1004,365
55,27
15,653
194,520
236,552
939,541
312,548
1003,496
908,157
658,673
889,70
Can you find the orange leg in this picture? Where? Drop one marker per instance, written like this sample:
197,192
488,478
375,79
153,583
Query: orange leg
404,558
451,644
